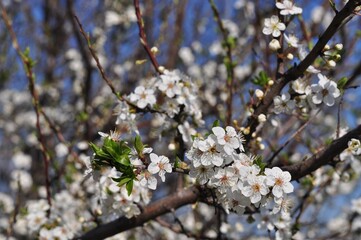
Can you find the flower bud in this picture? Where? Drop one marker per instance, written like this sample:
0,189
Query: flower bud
262,118
331,63
259,93
339,46
161,68
154,50
274,45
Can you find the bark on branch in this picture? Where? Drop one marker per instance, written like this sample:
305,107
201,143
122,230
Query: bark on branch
324,157
150,212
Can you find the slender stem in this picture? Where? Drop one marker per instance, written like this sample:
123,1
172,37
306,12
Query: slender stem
96,59
28,65
227,61
143,37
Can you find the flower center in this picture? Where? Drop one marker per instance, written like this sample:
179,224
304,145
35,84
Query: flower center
256,187
279,182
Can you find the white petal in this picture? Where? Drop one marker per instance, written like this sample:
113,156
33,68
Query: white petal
219,132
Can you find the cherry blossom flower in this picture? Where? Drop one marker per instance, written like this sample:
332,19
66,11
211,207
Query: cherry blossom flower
283,205
292,40
273,26
299,86
143,97
354,146
201,173
325,91
210,155
237,201
160,165
187,131
283,103
195,153
228,139
288,8
22,160
225,178
36,220
279,180
256,188
169,83
148,180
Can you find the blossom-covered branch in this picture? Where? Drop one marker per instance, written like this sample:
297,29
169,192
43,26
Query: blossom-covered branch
297,71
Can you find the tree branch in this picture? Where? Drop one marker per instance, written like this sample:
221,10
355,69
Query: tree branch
293,73
150,212
324,157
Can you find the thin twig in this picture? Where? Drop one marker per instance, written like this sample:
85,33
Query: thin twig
28,65
339,117
228,62
95,57
105,77
269,161
143,37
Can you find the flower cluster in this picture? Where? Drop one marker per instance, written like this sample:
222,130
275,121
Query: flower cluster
219,162
172,93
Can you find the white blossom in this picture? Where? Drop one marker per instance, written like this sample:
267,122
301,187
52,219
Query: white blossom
324,91
210,155
148,180
283,103
142,97
228,139
279,181
273,26
160,165
288,8
225,178
201,173
169,83
292,40
354,146
256,188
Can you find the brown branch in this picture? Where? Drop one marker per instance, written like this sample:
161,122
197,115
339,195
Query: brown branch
228,62
96,59
150,212
177,37
87,64
324,157
105,77
28,65
297,71
293,136
143,37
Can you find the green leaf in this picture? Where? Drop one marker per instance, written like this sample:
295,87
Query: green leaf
116,179
215,123
139,147
100,154
129,187
342,83
177,162
119,151
262,79
123,180
258,161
